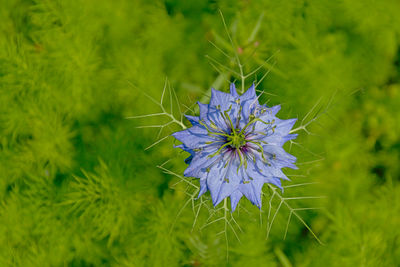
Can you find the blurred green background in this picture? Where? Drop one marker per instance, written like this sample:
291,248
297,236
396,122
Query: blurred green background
78,188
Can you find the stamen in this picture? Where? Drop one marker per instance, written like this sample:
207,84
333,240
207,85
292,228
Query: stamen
239,117
253,121
230,121
241,160
219,149
214,126
261,148
209,132
226,164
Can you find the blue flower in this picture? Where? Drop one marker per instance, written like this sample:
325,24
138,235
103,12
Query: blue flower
235,146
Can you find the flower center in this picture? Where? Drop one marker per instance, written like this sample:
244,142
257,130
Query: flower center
236,140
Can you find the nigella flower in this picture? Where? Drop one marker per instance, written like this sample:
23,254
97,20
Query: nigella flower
235,146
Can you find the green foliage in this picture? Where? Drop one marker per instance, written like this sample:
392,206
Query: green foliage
78,188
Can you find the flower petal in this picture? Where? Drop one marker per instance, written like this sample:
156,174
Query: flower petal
283,127
248,108
275,109
235,197
200,162
221,99
278,157
249,94
194,137
215,178
252,185
203,187
192,119
233,91
203,111
275,181
215,116
230,181
252,191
